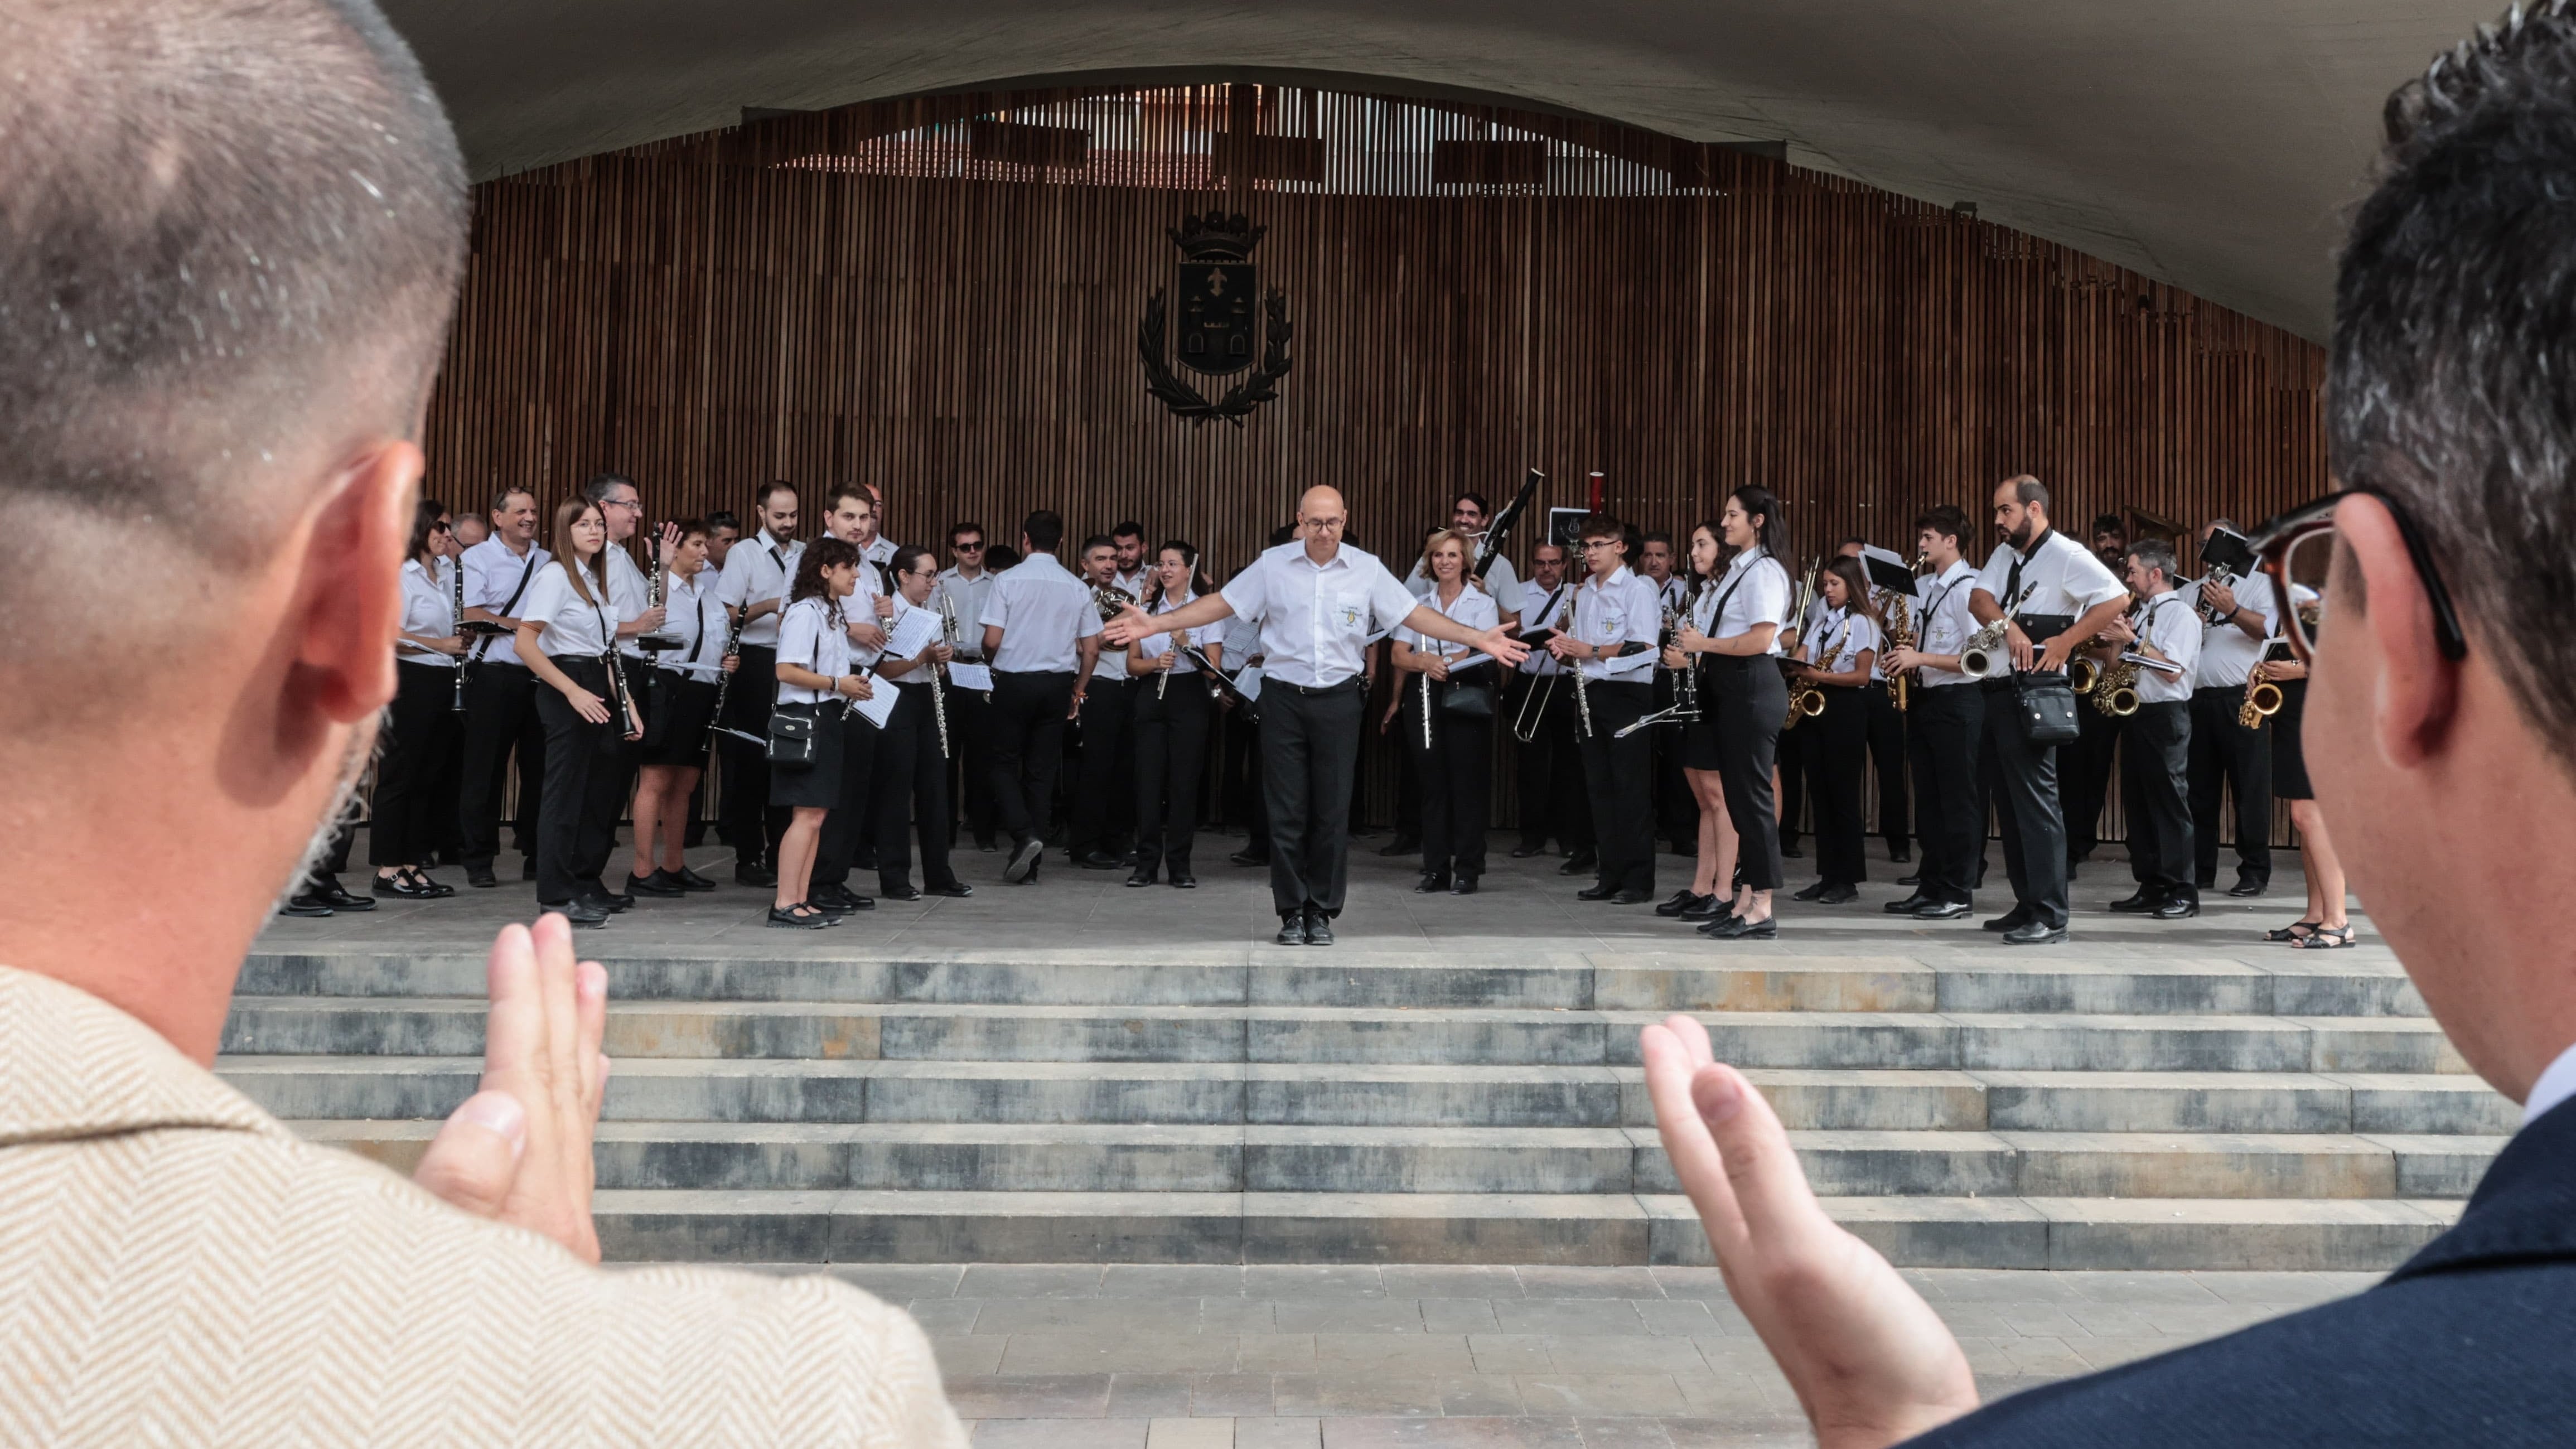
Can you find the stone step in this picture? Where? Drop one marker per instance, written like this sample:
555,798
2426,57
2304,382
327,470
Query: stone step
1222,1227
1954,981
936,1157
679,1089
2002,1041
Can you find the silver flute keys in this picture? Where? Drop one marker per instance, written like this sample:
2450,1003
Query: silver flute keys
1582,700
938,690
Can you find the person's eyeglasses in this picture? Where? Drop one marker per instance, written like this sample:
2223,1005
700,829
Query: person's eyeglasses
2297,551
442,528
970,547
633,503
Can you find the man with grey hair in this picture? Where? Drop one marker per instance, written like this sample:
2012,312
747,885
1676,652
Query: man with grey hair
234,234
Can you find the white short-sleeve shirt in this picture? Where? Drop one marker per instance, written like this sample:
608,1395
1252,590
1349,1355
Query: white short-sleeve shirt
1542,608
2172,625
1838,642
570,626
1753,591
1942,622
756,570
1622,607
811,635
2227,656
1154,646
2058,576
1044,613
1316,619
966,598
693,614
428,610
493,575
1473,608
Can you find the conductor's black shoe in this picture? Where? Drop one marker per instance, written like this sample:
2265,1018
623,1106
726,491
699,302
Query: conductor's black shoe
2138,904
1720,925
1319,929
904,892
2012,920
1183,880
1292,929
2247,885
582,913
1681,901
1900,853
603,899
799,918
753,873
481,876
957,890
1142,876
1097,860
328,891
1632,896
1024,860
1914,879
2179,908
305,907
839,899
1943,911
1710,907
659,883
1249,856
1596,893
1432,883
1809,893
1736,928
1524,852
689,880
1909,905
1465,886
1838,894
2034,932
1579,863
1401,845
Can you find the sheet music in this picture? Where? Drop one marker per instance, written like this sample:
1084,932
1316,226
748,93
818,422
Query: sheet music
970,676
880,708
1249,681
916,631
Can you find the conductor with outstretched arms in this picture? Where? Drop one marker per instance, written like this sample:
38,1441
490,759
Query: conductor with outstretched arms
1314,600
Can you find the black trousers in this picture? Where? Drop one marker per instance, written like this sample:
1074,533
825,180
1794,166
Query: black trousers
574,749
1246,798
1408,780
2021,778
2226,754
612,783
1886,730
408,819
501,720
2088,764
743,815
911,792
1618,774
1794,750
1835,762
849,830
1551,771
1171,753
1028,748
1457,774
2154,768
1752,701
1104,794
1942,742
971,759
1310,745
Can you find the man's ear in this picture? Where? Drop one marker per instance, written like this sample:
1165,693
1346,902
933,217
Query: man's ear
2418,695
348,597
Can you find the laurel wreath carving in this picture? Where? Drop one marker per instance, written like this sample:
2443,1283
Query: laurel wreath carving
1186,401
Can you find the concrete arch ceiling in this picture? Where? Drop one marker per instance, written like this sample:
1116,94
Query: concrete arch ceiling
2213,144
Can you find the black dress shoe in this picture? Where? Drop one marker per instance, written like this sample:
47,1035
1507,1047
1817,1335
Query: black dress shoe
659,883
438,890
2247,886
2179,908
1292,929
399,887
330,894
1914,879
304,908
753,873
1907,906
2012,920
1319,929
1466,885
1524,852
904,892
2138,904
1596,893
1678,901
1097,860
1579,863
1249,856
1811,893
481,876
2034,932
1141,878
1710,907
1736,928
1900,854
1632,896
794,918
956,890
1183,880
1023,865
605,901
587,915
1838,894
1942,911
1433,882
1789,849
1401,845
690,880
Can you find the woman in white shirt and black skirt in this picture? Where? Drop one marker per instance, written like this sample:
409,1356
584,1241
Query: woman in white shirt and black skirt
1837,660
407,824
1708,896
1452,749
680,710
814,679
1744,688
567,626
1171,726
910,790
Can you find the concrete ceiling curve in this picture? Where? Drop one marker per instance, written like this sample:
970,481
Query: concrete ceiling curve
2213,144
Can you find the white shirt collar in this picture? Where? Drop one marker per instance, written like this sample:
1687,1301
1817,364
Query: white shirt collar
1599,581
2556,1085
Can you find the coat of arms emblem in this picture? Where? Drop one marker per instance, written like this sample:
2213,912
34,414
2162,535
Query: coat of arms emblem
1220,330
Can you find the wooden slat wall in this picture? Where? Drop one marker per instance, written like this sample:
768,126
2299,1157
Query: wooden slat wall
853,295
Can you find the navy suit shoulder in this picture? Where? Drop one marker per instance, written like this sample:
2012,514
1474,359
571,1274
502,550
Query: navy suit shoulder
2473,1341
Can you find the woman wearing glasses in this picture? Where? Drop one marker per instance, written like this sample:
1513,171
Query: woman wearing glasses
910,791
1453,752
1738,644
1171,725
567,626
686,681
422,731
1838,660
1703,761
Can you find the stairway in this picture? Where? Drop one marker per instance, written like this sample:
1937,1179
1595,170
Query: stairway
1956,1108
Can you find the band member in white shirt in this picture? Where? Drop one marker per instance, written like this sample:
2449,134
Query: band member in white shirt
679,719
1452,747
1098,828
2155,755
2324,926
2240,619
500,693
567,633
815,678
757,571
1739,647
1713,865
1676,812
1134,572
2054,595
1171,725
405,827
1551,763
848,842
911,790
964,585
2084,768
1611,643
1948,725
612,776
1318,603
1043,638
1839,659
1468,515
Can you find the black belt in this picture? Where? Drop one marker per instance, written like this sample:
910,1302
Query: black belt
1313,691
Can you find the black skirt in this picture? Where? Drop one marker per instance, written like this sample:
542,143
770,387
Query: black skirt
818,786
680,709
1700,749
2289,760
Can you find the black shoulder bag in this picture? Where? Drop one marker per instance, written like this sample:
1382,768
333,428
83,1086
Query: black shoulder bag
796,727
2045,698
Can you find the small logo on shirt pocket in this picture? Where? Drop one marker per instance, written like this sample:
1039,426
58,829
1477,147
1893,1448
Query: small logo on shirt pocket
1350,616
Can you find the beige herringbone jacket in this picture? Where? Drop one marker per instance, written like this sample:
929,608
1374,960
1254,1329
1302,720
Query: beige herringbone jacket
177,1268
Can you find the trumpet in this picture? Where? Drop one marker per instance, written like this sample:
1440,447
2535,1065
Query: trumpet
2262,701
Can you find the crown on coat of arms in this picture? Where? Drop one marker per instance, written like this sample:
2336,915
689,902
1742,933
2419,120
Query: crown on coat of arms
1216,237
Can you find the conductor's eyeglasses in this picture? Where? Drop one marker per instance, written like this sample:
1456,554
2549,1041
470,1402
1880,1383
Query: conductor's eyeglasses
2296,550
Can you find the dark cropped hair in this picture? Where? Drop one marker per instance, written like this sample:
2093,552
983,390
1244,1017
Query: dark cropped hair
823,553
1044,530
1478,499
760,499
424,521
1950,521
690,526
2110,523
1770,530
1663,536
1129,529
723,518
502,495
2156,554
906,557
955,529
2451,378
1098,540
604,483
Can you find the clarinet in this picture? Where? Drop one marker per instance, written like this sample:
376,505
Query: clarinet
1426,704
724,678
457,704
1582,700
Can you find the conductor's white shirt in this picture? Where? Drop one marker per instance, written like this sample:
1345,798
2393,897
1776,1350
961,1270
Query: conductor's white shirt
1315,618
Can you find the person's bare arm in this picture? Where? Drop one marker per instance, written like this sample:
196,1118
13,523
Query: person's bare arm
1427,620
1087,657
1869,1360
1134,623
2053,654
584,703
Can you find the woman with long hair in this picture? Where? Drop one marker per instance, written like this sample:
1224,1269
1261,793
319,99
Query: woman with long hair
1171,723
1452,752
910,790
1738,645
567,626
2324,926
1707,897
1837,660
814,680
679,722
407,823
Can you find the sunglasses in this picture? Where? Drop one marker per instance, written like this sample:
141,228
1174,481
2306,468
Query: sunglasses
2297,551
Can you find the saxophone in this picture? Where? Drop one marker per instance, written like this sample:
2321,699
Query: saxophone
1983,656
2262,700
1900,635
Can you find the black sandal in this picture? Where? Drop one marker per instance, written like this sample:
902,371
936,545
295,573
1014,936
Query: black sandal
2293,933
2325,938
